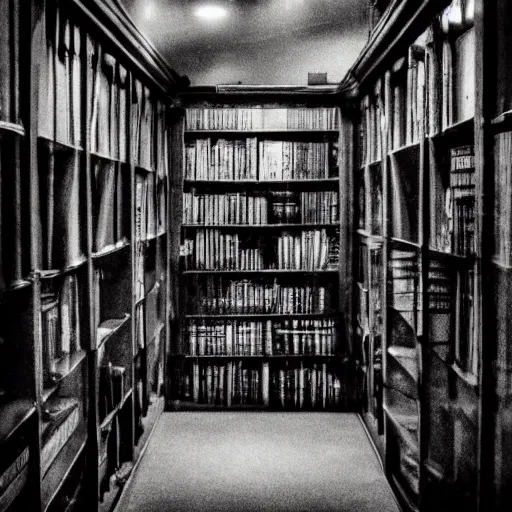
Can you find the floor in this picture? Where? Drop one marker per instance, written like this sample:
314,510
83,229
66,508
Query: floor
264,461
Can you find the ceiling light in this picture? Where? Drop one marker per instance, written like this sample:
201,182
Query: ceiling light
149,10
211,12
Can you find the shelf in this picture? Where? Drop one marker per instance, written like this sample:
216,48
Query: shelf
60,146
405,244
6,126
56,273
266,271
407,359
64,367
403,496
456,258
278,184
278,316
140,168
267,357
111,249
400,422
374,163
111,415
62,465
262,131
14,414
94,154
108,328
261,226
406,149
469,378
460,128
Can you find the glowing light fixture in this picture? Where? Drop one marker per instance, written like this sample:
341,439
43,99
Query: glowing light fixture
149,10
211,12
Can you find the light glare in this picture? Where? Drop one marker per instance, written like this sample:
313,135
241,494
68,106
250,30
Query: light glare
211,12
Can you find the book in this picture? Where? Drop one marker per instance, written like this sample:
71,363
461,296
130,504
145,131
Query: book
62,420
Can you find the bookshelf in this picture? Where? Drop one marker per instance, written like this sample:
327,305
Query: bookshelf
85,133
417,294
260,257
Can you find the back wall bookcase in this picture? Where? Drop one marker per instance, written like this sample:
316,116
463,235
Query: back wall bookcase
260,257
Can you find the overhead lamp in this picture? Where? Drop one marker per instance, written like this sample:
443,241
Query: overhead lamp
211,12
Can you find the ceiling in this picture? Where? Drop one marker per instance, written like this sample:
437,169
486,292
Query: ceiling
271,42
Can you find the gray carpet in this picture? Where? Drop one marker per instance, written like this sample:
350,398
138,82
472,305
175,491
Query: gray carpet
234,461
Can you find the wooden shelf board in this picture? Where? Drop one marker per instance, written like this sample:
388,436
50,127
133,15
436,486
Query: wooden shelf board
406,148
116,325
62,464
62,146
399,421
304,182
373,163
6,126
55,273
407,244
95,154
403,495
265,357
18,284
266,271
458,128
65,366
13,414
406,358
111,249
112,414
326,225
242,316
262,131
467,377
141,168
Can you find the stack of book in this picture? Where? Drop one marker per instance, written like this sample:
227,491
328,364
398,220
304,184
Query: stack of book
229,118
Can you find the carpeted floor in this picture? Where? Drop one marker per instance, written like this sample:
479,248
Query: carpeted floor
234,461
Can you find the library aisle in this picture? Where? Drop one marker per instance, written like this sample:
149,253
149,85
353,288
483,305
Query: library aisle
232,461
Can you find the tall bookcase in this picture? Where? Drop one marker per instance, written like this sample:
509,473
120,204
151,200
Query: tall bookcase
85,152
260,257
419,237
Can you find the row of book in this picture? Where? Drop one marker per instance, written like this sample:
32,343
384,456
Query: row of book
60,89
60,319
150,206
219,209
213,294
62,203
258,118
234,384
252,338
113,387
292,160
310,250
108,105
286,207
222,160
111,219
9,60
503,197
266,160
432,87
214,250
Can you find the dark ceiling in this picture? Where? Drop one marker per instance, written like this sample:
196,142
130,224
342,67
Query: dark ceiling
258,41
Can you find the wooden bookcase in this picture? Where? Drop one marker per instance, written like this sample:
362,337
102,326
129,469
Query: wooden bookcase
85,157
418,287
260,256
